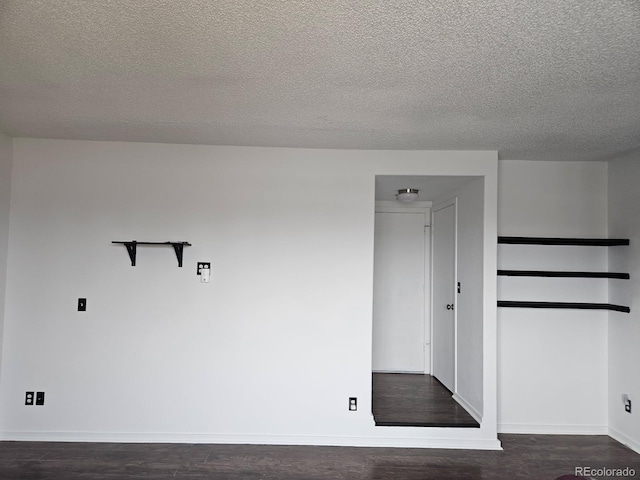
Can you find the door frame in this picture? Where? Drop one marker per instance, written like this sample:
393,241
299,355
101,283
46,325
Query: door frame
439,206
425,208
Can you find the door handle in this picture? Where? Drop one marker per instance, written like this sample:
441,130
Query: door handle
450,306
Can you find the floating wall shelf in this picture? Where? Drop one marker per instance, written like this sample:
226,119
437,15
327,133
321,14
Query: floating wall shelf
568,305
585,242
578,242
555,273
132,248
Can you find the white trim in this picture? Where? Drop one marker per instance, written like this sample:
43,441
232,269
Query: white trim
119,437
622,438
467,406
455,296
391,206
427,356
539,429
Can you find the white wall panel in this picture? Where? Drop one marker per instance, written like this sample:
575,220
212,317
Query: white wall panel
624,329
6,154
552,363
270,350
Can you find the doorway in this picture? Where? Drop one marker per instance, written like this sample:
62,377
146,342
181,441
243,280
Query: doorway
400,327
414,348
444,293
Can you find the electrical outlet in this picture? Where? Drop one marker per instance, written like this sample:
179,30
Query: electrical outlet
353,404
28,398
39,398
82,304
627,406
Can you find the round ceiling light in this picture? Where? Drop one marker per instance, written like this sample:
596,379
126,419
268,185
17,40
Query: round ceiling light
407,195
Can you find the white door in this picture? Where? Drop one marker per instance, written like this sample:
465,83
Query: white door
444,292
399,292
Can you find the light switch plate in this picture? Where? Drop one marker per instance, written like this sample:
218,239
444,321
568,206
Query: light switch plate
203,266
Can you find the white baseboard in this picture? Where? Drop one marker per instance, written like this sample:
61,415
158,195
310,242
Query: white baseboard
553,429
622,438
465,444
464,404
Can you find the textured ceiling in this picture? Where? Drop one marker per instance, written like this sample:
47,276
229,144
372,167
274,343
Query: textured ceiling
534,79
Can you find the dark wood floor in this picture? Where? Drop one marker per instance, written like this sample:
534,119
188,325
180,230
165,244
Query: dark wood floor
524,457
401,399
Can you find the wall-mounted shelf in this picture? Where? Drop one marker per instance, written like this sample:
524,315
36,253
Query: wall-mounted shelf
132,248
565,305
585,242
562,274
577,242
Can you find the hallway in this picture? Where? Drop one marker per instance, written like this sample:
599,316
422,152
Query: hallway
402,399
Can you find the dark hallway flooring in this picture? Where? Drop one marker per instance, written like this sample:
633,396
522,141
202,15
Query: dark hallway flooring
401,399
524,457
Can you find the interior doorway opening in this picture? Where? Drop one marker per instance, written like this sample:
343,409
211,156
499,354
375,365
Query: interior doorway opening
423,372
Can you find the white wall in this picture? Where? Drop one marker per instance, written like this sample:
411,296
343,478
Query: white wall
469,338
5,191
552,364
268,352
624,329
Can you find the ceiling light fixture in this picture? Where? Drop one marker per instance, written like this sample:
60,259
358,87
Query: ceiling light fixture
407,195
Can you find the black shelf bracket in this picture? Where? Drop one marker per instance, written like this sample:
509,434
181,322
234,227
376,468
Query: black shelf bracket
179,249
132,248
